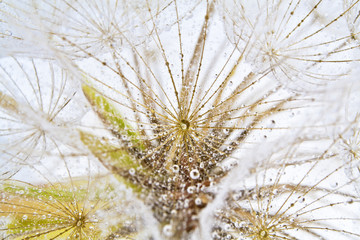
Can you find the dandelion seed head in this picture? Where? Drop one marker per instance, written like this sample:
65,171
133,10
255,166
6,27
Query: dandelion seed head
291,55
184,124
352,145
179,94
353,21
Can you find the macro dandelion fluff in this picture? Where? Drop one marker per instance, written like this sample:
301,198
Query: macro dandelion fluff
169,99
295,40
33,105
280,204
349,151
352,18
65,208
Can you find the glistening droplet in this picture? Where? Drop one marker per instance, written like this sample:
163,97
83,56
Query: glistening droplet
194,174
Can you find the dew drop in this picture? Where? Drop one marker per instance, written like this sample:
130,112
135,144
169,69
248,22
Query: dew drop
184,124
190,189
215,235
194,174
239,224
25,217
227,227
198,201
238,196
334,184
132,171
186,203
263,233
167,230
226,131
175,168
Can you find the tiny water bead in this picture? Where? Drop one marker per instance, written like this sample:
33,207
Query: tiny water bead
198,201
194,174
131,171
175,168
202,165
227,227
184,124
167,230
21,192
79,223
191,189
263,234
334,184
